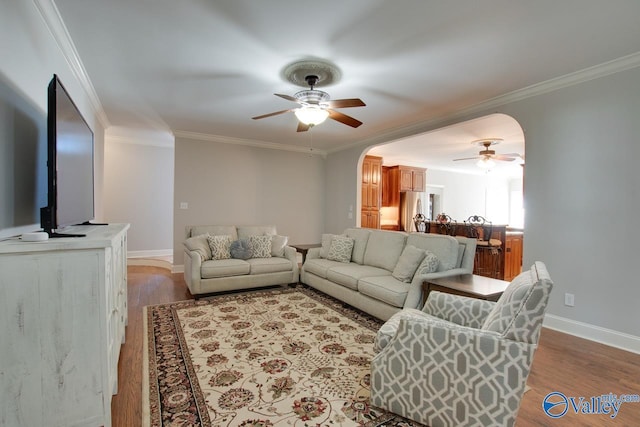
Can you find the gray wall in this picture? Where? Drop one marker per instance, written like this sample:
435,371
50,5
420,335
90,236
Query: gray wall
30,57
139,190
231,184
581,195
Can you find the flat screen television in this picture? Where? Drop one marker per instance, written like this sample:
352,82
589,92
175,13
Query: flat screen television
69,165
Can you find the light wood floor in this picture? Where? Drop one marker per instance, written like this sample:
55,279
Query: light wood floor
563,363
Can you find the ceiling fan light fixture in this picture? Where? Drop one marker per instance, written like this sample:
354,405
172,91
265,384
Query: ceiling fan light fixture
311,115
486,163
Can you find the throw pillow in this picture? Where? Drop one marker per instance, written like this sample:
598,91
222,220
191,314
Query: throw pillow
219,246
429,264
408,262
277,245
260,246
340,249
240,249
199,244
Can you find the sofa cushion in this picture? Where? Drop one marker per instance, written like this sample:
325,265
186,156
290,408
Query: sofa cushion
348,275
199,244
360,237
245,231
326,244
240,249
277,245
429,264
384,249
269,265
320,266
340,249
220,246
224,268
260,246
214,230
408,262
443,247
384,288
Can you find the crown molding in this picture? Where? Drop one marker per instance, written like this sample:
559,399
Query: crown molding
149,142
611,67
53,20
248,142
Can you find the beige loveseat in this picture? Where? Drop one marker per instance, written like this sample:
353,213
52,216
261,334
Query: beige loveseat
205,275
384,271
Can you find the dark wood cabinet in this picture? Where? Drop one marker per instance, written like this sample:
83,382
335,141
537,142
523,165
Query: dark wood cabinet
371,192
513,255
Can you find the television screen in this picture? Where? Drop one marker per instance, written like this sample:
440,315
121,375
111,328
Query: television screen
70,161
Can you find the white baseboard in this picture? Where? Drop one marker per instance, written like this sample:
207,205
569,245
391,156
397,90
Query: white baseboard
150,253
177,268
594,333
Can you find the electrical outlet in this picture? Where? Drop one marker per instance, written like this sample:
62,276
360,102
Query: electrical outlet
184,205
569,300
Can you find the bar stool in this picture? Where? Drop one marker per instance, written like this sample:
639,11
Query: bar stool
488,250
445,224
420,222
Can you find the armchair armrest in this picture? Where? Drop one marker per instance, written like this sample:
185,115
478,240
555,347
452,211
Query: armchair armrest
291,254
458,309
460,375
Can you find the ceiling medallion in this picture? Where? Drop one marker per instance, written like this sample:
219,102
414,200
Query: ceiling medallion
297,72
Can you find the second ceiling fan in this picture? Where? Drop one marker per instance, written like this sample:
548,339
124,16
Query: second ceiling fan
316,106
487,154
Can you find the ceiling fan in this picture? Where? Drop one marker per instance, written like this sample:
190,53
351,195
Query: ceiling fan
487,156
316,107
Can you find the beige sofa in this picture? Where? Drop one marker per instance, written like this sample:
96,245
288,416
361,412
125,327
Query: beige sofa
369,279
205,276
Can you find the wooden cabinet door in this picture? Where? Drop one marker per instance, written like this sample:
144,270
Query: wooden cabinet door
371,192
419,178
406,179
513,256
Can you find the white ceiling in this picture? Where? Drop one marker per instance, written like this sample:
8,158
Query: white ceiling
209,66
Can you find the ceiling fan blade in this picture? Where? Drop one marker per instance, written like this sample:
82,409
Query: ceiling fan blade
346,103
287,97
271,114
303,127
503,158
469,158
343,118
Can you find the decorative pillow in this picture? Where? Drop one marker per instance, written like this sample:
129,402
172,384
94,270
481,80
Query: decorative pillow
429,264
277,245
219,246
240,249
199,244
340,249
260,246
408,263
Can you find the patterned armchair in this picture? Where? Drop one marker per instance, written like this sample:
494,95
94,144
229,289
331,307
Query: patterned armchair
461,361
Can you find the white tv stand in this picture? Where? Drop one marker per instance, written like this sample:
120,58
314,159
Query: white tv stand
63,311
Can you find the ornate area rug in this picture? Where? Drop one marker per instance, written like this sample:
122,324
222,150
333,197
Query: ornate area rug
264,358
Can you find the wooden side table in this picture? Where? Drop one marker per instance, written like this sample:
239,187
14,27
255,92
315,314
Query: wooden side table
303,249
468,285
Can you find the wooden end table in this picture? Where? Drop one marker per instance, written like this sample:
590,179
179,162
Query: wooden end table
468,285
303,249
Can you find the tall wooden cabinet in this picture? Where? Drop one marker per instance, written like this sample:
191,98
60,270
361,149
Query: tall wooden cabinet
513,255
63,311
371,192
